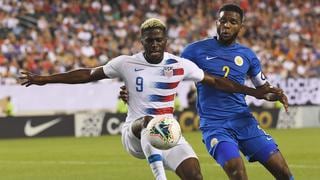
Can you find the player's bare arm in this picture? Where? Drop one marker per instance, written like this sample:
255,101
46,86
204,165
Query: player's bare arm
72,77
227,85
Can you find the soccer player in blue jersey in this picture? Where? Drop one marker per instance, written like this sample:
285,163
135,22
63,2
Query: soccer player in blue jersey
225,120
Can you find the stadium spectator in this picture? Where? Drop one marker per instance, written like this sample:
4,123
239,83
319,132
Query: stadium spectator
6,106
284,34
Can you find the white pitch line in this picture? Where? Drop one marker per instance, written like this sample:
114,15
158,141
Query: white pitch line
68,162
296,166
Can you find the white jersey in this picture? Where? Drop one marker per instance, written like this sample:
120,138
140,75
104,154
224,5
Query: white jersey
152,87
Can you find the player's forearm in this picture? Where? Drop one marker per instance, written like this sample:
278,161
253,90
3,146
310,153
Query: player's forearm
71,77
272,97
233,87
227,85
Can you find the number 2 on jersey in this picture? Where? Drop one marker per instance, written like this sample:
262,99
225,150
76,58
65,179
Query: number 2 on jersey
226,69
139,83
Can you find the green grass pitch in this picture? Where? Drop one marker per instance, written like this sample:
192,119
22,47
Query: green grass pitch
104,158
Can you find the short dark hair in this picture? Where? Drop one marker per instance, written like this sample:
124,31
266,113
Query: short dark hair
232,7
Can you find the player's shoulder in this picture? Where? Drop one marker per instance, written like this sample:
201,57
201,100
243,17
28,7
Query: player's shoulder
168,55
171,59
124,59
199,43
245,50
192,50
174,58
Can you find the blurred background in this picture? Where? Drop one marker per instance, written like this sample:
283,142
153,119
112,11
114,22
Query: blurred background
51,36
54,36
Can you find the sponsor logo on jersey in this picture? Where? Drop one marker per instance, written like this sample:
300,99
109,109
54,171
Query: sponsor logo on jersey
209,58
168,71
238,60
138,69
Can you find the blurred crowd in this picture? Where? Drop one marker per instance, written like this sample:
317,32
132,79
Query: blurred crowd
51,36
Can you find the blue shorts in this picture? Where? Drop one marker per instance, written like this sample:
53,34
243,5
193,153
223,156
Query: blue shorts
248,137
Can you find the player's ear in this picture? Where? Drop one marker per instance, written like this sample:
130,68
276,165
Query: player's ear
165,39
242,22
242,29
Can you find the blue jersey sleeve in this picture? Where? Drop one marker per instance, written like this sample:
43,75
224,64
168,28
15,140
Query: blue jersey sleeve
255,66
189,53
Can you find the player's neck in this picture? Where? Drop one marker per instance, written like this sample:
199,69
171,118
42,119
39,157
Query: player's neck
152,61
225,43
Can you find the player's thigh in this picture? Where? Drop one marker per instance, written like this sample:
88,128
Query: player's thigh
189,169
174,156
235,169
212,137
221,145
258,146
228,156
277,166
130,142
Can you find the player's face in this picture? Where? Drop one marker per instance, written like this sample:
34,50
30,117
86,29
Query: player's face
228,26
154,42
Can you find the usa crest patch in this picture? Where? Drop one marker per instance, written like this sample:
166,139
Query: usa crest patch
168,71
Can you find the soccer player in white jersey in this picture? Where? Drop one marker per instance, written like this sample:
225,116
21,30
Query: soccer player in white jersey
152,77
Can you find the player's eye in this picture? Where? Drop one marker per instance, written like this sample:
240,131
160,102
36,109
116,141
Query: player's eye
149,40
158,40
222,21
234,22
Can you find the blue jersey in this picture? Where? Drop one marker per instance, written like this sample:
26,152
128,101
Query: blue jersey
234,62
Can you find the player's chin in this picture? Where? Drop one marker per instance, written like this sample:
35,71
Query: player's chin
227,38
156,56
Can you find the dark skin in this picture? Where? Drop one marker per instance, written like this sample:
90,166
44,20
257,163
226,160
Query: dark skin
154,42
229,25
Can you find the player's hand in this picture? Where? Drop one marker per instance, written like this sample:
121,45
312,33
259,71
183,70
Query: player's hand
278,97
124,94
28,79
284,100
274,94
266,91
